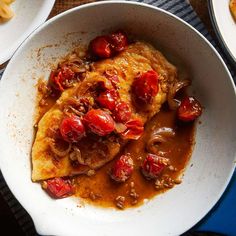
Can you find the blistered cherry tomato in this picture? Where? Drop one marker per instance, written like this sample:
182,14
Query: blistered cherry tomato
99,122
108,99
189,109
122,112
58,187
72,129
101,47
134,129
61,78
118,41
145,87
122,168
153,165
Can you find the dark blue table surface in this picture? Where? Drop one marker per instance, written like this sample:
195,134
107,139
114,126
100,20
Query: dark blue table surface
222,218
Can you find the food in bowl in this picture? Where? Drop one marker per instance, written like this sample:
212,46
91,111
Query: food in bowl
112,128
6,12
232,6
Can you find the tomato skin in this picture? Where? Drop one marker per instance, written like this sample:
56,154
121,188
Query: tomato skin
118,41
58,78
134,129
99,122
59,188
108,99
153,165
101,47
55,81
122,112
105,46
145,87
189,109
72,129
122,169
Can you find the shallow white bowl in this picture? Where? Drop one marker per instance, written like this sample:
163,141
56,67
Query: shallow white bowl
29,14
213,159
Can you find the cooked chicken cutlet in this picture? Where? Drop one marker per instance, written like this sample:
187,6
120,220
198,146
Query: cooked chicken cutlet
95,151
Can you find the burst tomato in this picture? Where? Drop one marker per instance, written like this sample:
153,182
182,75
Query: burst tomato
118,41
189,109
122,112
108,99
58,187
145,87
106,46
99,122
61,78
122,168
134,129
153,165
72,129
101,47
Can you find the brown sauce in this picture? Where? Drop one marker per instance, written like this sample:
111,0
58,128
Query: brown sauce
102,191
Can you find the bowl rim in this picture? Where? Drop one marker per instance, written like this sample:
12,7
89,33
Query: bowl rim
33,215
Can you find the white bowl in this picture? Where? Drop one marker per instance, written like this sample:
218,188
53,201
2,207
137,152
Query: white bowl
29,14
213,159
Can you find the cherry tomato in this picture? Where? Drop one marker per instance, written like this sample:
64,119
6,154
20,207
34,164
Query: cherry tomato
189,109
153,165
122,168
60,77
99,122
108,99
101,47
122,112
72,129
145,87
58,187
134,129
118,41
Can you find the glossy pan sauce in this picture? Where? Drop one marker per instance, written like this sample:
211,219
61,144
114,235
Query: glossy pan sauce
100,190
176,147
